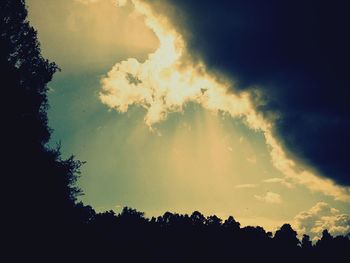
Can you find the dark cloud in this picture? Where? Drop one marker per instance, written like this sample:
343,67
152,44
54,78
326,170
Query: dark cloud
298,54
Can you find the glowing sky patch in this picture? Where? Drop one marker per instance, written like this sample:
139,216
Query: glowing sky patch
179,139
168,80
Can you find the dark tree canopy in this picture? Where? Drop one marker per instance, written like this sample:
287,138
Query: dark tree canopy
39,185
45,223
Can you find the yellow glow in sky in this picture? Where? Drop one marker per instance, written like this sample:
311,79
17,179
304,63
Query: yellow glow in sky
201,146
89,34
168,80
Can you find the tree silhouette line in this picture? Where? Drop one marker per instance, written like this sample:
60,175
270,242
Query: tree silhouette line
44,222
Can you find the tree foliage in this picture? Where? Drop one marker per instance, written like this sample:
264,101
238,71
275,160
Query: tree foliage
39,186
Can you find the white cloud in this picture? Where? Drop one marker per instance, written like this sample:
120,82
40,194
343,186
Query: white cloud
319,217
246,186
251,159
121,2
86,2
169,79
281,181
269,197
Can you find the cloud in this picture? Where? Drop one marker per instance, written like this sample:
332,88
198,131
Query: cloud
171,77
294,54
281,181
117,2
121,2
269,197
97,33
251,159
86,2
319,217
168,80
246,186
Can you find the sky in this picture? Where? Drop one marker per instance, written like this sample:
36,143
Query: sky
218,107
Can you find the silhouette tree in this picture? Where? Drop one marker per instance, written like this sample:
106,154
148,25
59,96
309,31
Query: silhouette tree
286,236
287,243
326,238
40,185
231,224
197,219
213,221
306,242
332,249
